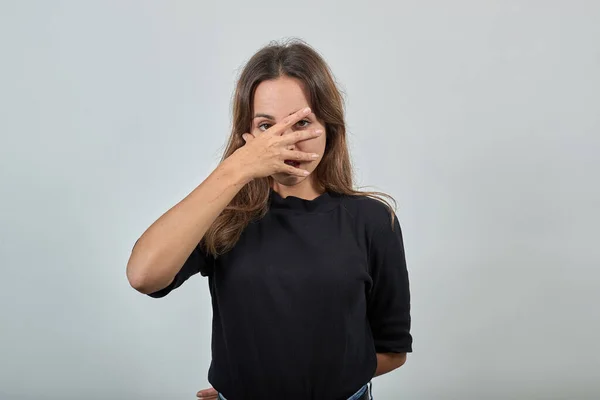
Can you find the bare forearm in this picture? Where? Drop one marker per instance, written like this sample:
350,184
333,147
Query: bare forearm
387,362
163,248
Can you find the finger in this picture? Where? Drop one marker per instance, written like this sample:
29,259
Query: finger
211,391
290,120
300,136
207,394
299,155
248,137
288,169
208,397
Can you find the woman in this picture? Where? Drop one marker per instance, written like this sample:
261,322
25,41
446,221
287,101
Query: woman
308,278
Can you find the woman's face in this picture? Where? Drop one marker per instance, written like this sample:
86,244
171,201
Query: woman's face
273,101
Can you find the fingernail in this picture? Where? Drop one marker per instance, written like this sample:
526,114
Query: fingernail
314,155
306,110
319,131
305,173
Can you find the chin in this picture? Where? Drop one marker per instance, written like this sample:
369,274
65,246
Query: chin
288,180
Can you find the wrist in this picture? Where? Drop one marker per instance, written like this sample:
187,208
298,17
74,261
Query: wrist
235,171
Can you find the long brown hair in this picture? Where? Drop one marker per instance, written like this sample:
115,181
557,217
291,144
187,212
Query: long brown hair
295,59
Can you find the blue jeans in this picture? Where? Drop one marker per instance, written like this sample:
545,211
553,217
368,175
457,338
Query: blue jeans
355,396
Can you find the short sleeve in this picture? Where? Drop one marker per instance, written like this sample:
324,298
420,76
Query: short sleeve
198,262
389,297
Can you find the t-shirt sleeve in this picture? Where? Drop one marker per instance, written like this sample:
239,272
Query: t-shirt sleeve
198,262
389,297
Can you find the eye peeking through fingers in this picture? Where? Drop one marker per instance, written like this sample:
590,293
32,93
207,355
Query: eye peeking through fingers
303,124
299,125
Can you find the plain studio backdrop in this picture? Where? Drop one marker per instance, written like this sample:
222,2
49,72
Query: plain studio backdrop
482,118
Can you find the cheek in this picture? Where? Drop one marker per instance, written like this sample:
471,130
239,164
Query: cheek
316,145
320,145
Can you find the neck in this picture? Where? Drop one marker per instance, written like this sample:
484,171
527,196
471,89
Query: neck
307,189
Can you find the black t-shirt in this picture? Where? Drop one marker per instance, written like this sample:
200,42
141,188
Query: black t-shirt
305,299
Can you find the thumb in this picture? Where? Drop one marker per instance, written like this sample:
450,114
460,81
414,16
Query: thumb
248,137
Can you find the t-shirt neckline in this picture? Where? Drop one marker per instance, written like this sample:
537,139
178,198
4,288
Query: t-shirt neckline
323,202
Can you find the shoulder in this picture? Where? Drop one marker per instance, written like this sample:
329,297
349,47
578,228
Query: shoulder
374,213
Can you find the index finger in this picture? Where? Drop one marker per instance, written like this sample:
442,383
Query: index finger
207,393
288,121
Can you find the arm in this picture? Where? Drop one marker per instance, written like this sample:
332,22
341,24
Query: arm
163,248
387,362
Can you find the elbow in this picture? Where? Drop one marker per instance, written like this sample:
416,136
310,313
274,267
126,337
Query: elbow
135,271
138,274
388,362
401,360
137,278
142,278
396,360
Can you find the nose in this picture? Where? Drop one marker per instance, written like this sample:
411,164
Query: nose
291,146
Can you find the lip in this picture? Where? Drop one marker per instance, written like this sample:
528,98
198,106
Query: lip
292,163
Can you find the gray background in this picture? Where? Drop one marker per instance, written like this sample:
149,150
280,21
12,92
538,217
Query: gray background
482,118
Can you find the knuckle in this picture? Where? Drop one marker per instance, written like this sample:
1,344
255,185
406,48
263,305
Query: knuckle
271,146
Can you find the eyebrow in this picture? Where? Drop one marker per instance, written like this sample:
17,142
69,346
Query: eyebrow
267,116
